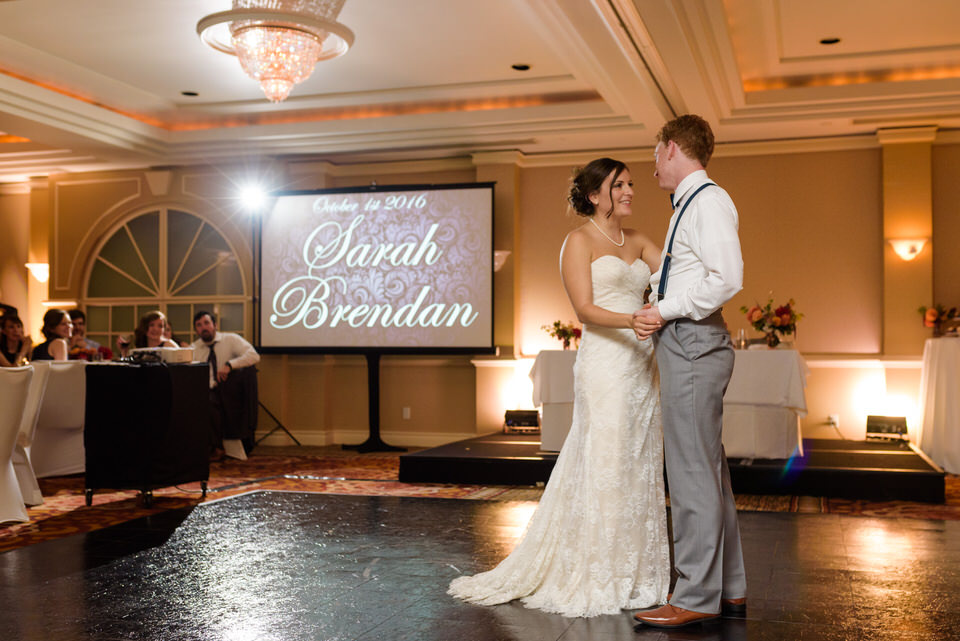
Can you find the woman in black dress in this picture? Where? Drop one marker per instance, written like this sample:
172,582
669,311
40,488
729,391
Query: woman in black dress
14,347
57,329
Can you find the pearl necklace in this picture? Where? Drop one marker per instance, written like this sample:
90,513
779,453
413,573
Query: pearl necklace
623,238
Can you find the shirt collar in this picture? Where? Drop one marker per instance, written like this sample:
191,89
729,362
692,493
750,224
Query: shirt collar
692,180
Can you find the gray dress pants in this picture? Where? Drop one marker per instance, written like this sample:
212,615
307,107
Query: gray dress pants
696,360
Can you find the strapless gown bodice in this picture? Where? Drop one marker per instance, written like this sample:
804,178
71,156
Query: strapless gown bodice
617,285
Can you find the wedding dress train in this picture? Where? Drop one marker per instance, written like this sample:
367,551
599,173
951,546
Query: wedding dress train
597,542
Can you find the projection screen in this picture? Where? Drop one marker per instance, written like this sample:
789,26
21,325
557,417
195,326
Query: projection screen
399,269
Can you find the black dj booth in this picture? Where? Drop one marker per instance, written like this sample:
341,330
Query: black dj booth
147,426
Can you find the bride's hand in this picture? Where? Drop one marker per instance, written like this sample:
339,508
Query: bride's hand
646,321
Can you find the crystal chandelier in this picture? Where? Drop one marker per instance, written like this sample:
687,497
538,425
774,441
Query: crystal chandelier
278,42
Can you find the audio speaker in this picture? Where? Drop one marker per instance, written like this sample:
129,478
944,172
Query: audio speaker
517,421
887,427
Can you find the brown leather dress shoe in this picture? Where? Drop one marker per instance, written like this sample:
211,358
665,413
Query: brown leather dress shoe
670,616
733,607
728,607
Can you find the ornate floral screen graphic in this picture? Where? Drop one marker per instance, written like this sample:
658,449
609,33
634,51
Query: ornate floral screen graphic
378,269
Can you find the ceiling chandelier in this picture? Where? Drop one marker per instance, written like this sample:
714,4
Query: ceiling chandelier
278,42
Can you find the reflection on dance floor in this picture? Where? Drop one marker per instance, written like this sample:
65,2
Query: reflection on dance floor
290,566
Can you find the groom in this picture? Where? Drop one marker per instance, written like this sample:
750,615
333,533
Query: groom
700,270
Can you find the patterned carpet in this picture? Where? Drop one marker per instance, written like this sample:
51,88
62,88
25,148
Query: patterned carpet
330,470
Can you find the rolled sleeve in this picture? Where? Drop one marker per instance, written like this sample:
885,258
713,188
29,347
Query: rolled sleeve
246,354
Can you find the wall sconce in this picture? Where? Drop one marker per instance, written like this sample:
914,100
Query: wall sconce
908,248
40,271
500,256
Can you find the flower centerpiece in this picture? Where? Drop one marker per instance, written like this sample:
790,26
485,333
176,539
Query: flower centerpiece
936,316
90,354
564,332
772,321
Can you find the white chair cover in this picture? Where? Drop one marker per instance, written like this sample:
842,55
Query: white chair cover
14,387
57,447
22,465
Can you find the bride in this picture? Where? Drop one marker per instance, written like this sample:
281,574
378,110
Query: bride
597,542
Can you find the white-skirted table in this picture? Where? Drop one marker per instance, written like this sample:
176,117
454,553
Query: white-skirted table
764,403
552,376
940,398
761,409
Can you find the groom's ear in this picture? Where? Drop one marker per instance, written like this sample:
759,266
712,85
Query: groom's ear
673,149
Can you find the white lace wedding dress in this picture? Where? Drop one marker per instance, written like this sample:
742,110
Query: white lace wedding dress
597,542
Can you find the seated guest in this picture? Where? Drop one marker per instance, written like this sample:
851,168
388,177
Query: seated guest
14,346
169,335
57,329
149,333
233,399
79,338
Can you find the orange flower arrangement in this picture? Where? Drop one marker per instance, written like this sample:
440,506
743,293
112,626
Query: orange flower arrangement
565,332
90,354
936,315
771,321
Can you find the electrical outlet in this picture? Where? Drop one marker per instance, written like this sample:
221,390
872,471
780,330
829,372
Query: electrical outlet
834,420
405,412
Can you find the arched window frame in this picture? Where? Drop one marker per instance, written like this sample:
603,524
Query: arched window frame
103,325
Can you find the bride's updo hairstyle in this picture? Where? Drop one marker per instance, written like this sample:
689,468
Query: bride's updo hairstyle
590,179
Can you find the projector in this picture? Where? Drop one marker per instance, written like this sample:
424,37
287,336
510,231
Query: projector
176,354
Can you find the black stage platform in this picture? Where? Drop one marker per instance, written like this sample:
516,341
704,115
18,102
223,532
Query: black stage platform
873,470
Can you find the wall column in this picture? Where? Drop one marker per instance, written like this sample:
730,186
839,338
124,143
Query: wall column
15,222
38,252
907,213
503,168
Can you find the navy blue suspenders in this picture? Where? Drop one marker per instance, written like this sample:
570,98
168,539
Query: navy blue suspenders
664,270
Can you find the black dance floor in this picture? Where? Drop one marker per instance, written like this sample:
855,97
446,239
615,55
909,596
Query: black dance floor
292,566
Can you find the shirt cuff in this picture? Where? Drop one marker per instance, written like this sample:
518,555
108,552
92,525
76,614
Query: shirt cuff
668,310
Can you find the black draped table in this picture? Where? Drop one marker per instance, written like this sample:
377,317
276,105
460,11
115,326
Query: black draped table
146,426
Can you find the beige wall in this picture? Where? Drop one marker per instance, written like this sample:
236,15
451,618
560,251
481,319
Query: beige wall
15,232
811,229
946,225
821,246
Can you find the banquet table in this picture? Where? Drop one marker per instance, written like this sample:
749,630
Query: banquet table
552,376
940,399
761,409
764,403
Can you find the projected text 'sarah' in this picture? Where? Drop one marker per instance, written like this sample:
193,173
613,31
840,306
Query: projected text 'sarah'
310,300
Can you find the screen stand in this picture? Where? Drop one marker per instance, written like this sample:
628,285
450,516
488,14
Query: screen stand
374,443
278,426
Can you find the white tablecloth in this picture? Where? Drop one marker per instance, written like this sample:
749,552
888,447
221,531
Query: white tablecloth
940,399
552,376
764,403
761,409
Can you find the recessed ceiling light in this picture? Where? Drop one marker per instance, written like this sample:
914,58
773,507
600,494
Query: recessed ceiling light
520,67
829,41
189,93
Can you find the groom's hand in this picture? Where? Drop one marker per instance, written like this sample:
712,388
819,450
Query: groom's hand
647,321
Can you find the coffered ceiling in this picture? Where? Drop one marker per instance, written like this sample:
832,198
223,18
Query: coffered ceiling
101,85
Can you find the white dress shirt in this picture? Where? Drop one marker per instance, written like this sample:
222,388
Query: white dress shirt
229,348
707,268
